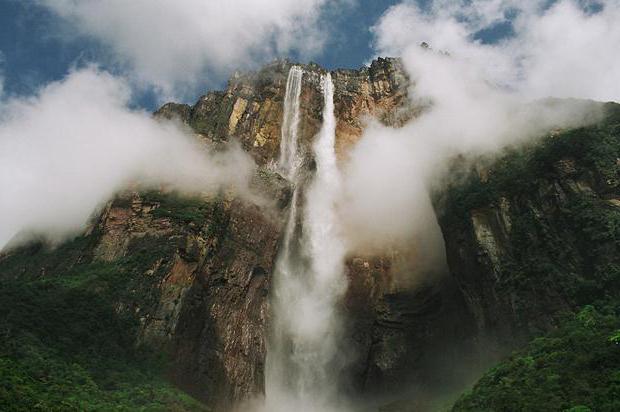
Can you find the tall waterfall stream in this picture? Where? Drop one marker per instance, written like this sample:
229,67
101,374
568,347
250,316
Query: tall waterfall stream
303,362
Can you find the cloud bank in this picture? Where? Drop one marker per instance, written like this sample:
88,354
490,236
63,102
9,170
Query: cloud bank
73,146
481,98
565,49
173,44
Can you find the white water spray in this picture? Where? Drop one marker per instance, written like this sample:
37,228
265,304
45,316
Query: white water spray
302,360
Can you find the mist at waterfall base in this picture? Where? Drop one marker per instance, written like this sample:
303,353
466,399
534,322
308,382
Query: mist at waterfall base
480,99
71,148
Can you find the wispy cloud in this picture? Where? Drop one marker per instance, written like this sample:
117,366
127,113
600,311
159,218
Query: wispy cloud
563,48
173,44
70,148
482,97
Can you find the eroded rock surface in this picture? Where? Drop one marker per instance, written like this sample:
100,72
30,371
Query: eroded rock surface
210,289
529,237
250,109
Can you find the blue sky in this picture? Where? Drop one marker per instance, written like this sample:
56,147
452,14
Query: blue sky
35,49
38,48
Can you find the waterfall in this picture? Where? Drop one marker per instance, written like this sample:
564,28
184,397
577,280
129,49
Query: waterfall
318,329
288,162
302,358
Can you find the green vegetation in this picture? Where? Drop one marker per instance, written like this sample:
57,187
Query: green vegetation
126,279
562,237
193,213
181,209
524,169
211,114
575,368
39,259
563,246
64,346
69,325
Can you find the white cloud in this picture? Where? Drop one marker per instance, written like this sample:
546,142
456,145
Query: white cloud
483,97
171,44
561,51
573,54
70,148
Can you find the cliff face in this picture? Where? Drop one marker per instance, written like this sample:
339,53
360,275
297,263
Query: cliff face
534,233
193,274
199,269
532,239
250,109
209,305
392,332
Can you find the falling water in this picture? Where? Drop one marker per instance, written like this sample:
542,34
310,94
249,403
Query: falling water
318,327
289,159
302,361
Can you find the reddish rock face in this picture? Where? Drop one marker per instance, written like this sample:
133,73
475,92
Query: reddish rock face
220,336
219,342
210,286
251,107
379,92
213,314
